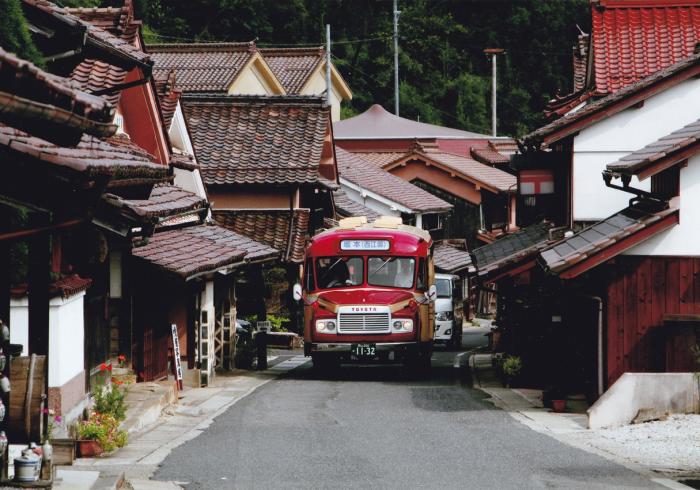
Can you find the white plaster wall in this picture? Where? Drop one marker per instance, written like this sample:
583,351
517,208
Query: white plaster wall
250,82
190,180
317,85
616,136
66,335
179,137
380,207
19,322
684,238
66,339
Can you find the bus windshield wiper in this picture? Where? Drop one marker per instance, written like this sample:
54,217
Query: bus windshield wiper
385,263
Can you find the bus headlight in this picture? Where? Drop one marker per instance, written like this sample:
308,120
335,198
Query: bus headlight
403,325
325,325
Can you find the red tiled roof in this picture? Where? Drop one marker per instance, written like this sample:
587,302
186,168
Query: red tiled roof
381,182
49,106
202,67
633,39
293,66
64,287
614,103
279,229
379,158
661,154
257,140
93,74
92,157
346,207
165,200
489,156
191,251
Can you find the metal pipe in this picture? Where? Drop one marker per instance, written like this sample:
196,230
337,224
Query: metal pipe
396,57
328,64
601,363
493,94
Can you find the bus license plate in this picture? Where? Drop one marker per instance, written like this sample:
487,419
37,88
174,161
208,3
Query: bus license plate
364,350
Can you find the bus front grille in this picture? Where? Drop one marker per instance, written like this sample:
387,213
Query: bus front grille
363,323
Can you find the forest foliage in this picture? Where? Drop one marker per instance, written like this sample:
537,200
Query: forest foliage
444,75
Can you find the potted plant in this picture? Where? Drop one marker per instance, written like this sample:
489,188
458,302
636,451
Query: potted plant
90,433
512,365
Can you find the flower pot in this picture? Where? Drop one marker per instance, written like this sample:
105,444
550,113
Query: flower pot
559,406
89,448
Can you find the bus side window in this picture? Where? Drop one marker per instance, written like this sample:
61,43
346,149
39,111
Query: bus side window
422,282
309,275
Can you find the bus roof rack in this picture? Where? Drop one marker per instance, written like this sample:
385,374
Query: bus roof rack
352,222
383,222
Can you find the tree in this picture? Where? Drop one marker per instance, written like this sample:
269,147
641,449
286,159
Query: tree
14,33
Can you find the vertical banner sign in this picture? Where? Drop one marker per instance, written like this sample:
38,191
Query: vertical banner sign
176,355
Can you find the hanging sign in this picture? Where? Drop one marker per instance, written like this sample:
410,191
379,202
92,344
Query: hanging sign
364,245
176,355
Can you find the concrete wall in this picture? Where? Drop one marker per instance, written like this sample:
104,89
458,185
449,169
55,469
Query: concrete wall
680,240
618,135
638,397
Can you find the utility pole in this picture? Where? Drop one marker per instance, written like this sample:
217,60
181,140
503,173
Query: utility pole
397,12
328,64
493,52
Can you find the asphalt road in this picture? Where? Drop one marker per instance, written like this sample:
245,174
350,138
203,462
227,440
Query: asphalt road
378,427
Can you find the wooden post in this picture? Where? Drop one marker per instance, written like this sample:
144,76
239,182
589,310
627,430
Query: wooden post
5,282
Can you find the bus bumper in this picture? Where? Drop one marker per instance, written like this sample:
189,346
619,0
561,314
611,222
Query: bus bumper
386,351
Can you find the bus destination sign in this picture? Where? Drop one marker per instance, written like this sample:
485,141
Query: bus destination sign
364,245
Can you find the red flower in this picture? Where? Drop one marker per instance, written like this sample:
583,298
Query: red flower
121,357
103,367
109,367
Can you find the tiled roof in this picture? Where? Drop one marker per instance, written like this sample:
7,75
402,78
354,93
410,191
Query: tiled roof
49,106
94,74
293,66
92,157
632,40
97,38
191,251
346,207
168,95
580,57
257,140
511,248
613,103
473,170
64,287
377,123
379,158
202,67
165,200
279,229
602,235
664,148
489,156
450,259
371,178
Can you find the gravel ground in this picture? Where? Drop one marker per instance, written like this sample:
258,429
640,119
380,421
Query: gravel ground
670,446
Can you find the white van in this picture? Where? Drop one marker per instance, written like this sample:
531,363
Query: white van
448,327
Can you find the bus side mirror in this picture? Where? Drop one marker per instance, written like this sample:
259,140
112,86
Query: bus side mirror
296,292
431,295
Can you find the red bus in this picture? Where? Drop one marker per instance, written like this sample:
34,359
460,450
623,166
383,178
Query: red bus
368,292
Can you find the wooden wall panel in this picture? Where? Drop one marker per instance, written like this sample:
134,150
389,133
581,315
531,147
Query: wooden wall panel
640,292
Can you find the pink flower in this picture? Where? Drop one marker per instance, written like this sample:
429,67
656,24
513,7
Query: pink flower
57,419
45,411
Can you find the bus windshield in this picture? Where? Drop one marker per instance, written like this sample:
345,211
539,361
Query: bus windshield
394,272
339,272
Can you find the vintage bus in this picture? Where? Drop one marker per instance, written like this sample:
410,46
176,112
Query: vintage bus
368,292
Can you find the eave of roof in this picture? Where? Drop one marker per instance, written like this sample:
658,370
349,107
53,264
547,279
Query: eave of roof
666,152
614,103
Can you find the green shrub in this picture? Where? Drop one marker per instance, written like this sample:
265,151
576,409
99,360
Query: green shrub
110,401
512,366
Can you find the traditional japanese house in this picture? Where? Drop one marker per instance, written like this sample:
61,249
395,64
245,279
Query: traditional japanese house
302,71
390,195
603,292
482,196
49,200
